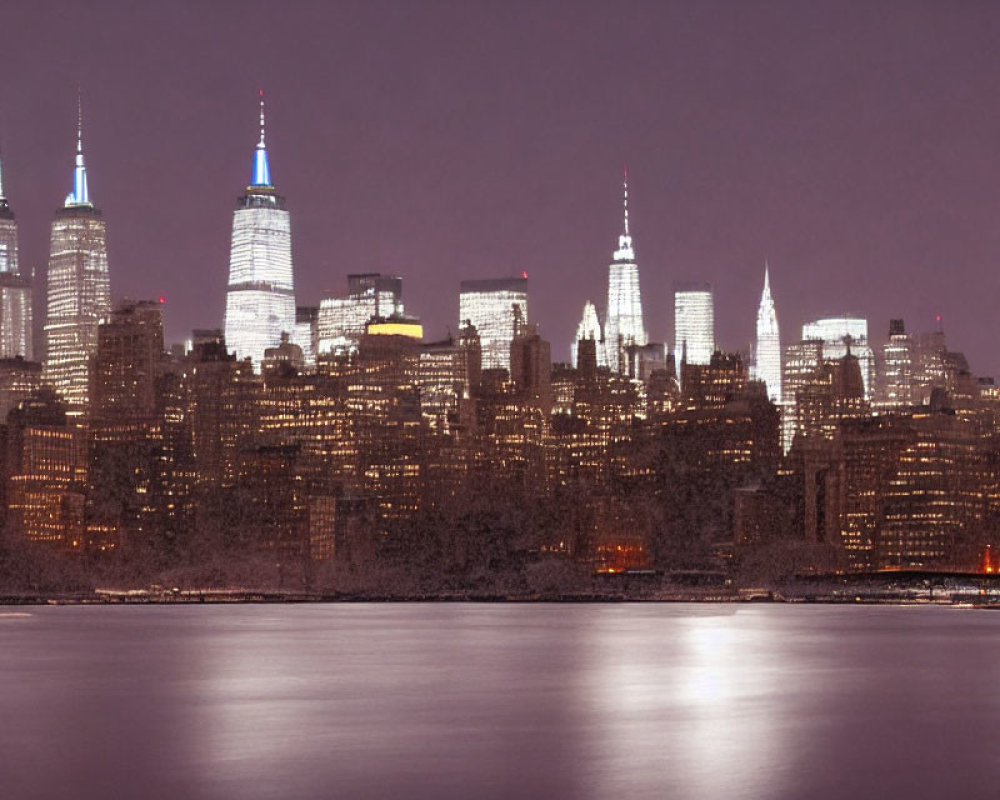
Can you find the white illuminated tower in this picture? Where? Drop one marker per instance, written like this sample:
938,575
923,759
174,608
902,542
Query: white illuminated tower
589,328
767,361
623,323
694,323
260,301
15,289
79,288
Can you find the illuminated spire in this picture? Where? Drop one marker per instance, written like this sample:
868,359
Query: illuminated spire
625,251
626,201
3,198
767,360
261,175
80,196
261,143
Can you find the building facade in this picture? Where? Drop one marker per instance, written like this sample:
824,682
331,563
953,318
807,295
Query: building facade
767,362
342,321
623,326
843,335
496,308
694,323
79,289
260,301
589,328
895,388
15,289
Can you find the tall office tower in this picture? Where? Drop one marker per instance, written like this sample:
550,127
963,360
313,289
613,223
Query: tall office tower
260,302
896,384
125,370
589,328
623,325
305,333
531,368
126,431
46,472
937,367
79,289
497,308
18,379
448,377
15,289
694,323
843,335
767,363
824,341
801,361
342,321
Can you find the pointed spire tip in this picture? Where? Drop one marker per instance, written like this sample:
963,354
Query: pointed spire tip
626,200
261,172
80,196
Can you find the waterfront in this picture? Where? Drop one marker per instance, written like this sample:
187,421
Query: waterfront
497,701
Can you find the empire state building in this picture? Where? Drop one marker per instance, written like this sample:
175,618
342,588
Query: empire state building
79,288
260,301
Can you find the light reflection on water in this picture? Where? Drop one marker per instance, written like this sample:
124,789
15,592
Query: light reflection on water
499,701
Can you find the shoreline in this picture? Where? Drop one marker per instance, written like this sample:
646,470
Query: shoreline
250,597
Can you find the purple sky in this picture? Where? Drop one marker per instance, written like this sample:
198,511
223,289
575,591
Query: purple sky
855,145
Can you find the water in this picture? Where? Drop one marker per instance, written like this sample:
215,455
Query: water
499,701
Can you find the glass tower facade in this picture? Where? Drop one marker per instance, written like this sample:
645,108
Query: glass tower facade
496,308
15,289
896,386
841,335
343,320
694,323
260,301
623,325
78,291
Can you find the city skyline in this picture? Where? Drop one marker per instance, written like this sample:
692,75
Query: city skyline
260,196
822,139
319,387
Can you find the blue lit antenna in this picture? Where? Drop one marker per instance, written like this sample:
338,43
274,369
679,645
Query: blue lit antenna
261,175
80,196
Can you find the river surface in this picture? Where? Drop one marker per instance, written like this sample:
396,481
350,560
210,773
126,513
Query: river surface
499,701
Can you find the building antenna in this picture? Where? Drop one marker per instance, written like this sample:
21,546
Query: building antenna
626,200
261,118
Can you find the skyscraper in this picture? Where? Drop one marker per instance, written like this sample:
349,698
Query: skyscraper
342,321
15,289
767,362
496,308
589,328
895,388
623,325
260,302
79,288
843,335
694,323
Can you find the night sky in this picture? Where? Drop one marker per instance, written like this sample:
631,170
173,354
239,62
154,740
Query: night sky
856,146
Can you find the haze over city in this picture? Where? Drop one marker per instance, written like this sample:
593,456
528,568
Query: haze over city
852,145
